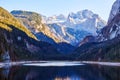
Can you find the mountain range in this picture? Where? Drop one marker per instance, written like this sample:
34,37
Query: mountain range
27,35
71,29
76,26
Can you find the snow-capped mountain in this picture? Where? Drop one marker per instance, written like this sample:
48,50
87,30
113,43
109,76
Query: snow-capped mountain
85,20
82,20
76,26
54,19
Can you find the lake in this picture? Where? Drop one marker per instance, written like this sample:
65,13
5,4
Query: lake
59,71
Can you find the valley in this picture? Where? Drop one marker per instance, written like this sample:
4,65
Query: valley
60,40
84,35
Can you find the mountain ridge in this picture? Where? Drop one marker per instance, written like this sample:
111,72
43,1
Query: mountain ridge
33,21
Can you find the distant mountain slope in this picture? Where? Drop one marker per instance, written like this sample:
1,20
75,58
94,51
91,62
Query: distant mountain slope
70,35
7,19
33,22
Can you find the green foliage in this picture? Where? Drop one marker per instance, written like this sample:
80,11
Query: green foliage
100,51
113,52
3,44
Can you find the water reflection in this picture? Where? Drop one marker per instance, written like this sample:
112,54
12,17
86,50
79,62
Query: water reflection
57,78
68,78
86,72
32,75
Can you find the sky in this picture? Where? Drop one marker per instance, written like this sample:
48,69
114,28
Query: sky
56,7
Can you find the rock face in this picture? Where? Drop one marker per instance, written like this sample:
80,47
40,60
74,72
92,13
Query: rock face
112,29
114,11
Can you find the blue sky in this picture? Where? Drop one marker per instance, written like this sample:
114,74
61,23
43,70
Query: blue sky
52,7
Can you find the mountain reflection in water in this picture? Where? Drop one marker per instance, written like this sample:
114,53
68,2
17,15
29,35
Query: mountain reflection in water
84,72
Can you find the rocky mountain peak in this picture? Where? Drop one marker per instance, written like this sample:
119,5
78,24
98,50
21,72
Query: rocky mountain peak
81,14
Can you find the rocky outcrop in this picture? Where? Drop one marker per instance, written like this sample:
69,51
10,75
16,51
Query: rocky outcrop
112,29
114,11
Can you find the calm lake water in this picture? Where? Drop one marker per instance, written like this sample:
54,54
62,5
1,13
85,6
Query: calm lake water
60,72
